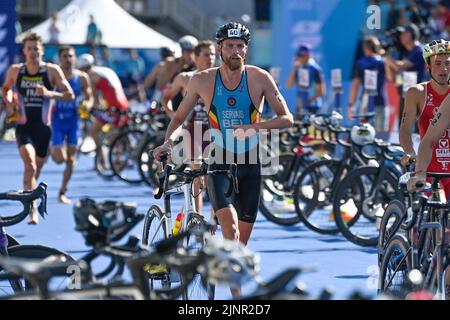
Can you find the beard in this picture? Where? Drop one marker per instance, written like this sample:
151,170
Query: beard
234,64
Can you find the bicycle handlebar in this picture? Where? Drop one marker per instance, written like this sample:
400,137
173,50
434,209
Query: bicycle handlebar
26,198
168,170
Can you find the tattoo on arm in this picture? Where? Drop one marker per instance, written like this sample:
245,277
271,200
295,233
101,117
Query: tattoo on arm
404,117
436,118
278,96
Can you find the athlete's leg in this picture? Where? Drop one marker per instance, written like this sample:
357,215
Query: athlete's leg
229,224
197,190
28,155
41,143
58,154
94,132
57,150
70,164
245,230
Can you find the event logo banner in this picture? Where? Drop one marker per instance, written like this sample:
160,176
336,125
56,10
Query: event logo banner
7,35
331,27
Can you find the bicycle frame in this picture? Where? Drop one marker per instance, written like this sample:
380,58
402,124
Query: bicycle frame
187,210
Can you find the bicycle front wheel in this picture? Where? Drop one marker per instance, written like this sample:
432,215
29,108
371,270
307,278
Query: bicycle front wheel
277,203
390,223
313,191
395,266
199,287
33,252
163,282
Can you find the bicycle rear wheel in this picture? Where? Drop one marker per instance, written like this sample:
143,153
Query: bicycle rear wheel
123,156
147,166
199,288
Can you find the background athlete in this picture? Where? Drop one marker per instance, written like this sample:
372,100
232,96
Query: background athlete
106,85
197,122
34,81
65,117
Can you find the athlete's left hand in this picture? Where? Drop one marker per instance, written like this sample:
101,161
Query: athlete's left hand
41,90
244,131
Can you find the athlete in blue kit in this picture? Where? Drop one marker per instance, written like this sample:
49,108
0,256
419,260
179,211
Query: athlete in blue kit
65,117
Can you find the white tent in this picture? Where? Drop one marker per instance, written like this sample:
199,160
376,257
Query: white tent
119,29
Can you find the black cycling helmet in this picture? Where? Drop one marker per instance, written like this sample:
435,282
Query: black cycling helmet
233,30
166,52
101,223
89,221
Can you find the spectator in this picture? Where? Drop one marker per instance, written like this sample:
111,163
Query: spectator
94,34
136,72
412,59
135,66
372,61
105,58
55,29
393,15
308,78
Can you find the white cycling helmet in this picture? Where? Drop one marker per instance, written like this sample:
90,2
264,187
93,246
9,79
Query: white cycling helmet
362,134
318,122
230,262
335,119
188,42
85,60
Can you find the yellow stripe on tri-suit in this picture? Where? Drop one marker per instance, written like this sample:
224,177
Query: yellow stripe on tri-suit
213,120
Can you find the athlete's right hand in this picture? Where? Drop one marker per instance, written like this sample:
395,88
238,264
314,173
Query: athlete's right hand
407,159
417,182
166,147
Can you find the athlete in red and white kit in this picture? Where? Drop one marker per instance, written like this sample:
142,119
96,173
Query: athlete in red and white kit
422,104
106,85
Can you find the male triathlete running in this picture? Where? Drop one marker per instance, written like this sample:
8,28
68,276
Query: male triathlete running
197,123
234,94
172,68
34,81
167,55
421,106
106,85
65,118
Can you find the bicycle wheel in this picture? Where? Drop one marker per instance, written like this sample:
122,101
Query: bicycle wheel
199,288
102,165
277,203
3,122
395,266
313,196
34,252
123,156
147,166
163,282
87,143
355,212
390,223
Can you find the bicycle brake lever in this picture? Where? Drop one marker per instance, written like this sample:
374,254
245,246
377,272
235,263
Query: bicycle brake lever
42,208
